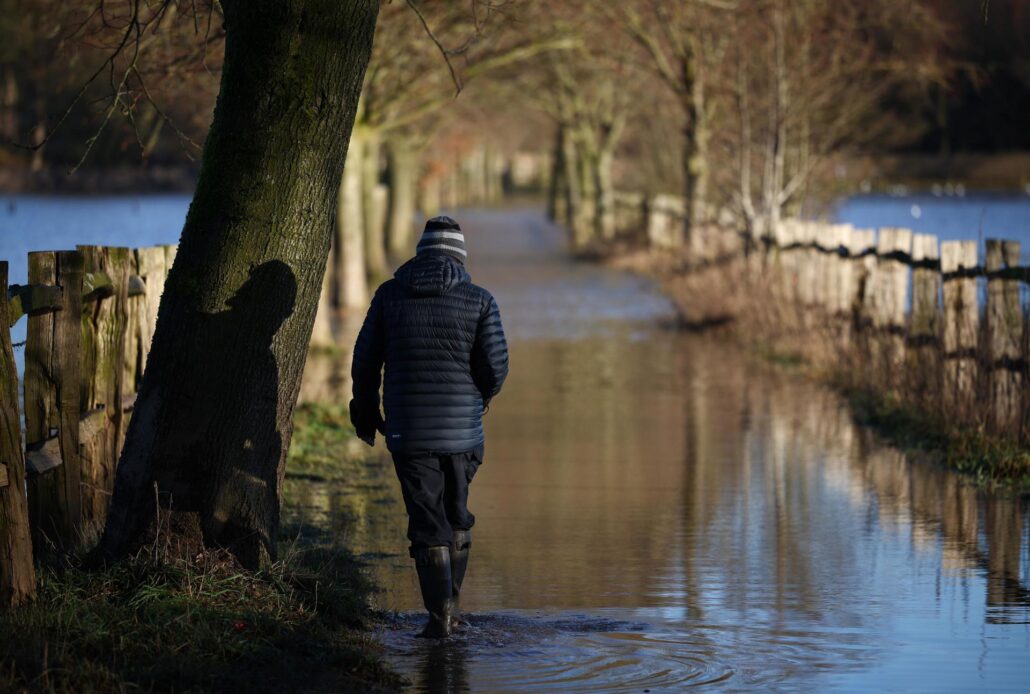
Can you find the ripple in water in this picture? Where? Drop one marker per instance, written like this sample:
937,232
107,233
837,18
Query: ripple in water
516,652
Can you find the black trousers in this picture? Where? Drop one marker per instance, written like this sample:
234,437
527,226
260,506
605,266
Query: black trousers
436,492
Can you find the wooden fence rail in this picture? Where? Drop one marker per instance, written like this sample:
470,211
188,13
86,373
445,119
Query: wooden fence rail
91,314
900,312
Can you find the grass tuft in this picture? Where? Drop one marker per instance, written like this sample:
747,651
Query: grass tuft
988,458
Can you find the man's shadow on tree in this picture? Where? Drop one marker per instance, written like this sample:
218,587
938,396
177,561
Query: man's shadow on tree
239,502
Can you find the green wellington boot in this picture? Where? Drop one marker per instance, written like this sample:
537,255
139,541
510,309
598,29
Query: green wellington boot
434,578
459,562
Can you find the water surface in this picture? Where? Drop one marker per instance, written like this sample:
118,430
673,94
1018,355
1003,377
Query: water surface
657,510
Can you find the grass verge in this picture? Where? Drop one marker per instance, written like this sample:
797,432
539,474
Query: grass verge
988,459
202,623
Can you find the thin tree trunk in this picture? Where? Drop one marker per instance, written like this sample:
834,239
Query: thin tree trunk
351,267
572,189
322,332
695,154
374,224
403,172
583,228
9,120
604,196
556,189
212,423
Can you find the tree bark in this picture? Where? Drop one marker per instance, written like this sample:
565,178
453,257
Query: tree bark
207,442
403,172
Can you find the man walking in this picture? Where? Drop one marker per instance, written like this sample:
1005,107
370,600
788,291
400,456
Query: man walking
442,344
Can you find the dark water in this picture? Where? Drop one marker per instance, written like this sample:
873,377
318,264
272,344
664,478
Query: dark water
659,510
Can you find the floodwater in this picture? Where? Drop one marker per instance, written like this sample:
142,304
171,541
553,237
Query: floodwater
966,216
659,510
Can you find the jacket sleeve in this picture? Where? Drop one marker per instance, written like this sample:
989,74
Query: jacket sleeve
367,365
489,351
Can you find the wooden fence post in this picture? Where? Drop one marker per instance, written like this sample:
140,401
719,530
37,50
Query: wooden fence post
152,267
103,350
961,325
52,381
890,293
864,281
663,229
924,363
1004,333
17,573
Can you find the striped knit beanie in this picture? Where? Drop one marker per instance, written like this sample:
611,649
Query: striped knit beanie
443,235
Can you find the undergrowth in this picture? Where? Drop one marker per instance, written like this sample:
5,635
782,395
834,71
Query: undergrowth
986,457
202,623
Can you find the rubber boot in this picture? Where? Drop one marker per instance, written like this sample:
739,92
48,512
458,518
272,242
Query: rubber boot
434,578
459,562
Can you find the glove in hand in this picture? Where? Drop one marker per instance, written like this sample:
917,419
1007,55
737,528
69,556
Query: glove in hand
366,422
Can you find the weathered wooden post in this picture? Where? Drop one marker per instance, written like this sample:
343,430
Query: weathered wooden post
1004,333
105,318
924,322
17,573
890,293
53,357
843,294
864,277
961,325
662,228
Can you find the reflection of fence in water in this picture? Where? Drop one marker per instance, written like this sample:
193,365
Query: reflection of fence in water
971,529
91,315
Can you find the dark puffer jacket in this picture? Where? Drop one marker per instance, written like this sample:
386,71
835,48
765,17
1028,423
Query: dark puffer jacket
441,340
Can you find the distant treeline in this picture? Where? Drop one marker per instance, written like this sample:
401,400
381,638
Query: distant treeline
49,52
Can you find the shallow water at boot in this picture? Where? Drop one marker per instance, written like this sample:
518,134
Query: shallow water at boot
656,510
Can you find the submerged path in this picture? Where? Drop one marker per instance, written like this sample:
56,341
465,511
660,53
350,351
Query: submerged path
658,509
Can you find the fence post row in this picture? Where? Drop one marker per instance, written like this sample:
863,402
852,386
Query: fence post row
935,344
91,315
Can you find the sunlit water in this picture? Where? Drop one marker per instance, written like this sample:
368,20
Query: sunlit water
971,217
658,510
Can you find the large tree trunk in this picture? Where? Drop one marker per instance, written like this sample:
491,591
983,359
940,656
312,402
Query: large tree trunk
403,172
206,446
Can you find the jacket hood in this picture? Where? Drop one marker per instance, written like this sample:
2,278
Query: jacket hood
431,274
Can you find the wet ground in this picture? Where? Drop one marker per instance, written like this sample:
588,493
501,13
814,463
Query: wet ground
657,510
